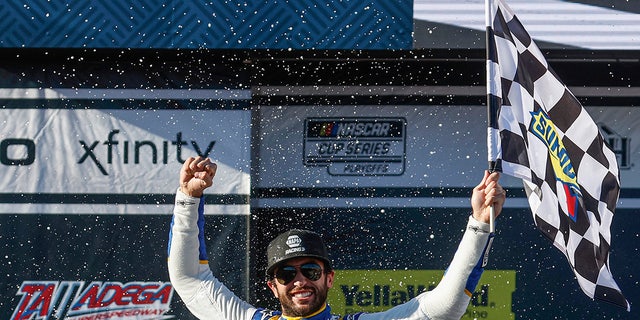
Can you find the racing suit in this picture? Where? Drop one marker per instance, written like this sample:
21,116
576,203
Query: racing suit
207,298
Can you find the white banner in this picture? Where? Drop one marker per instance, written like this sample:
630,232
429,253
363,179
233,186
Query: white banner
604,26
440,146
106,156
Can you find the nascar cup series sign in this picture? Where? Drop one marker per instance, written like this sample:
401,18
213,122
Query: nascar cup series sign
356,146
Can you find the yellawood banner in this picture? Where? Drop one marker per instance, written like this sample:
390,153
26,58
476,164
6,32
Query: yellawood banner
378,290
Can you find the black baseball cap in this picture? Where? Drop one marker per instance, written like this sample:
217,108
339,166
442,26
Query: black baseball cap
293,244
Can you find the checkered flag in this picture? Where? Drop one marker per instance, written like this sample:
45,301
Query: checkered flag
539,132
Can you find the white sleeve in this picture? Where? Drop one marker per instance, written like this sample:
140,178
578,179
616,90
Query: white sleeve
449,300
189,272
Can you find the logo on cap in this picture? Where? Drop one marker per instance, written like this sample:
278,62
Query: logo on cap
293,241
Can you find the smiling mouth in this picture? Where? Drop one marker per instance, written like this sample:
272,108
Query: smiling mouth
302,295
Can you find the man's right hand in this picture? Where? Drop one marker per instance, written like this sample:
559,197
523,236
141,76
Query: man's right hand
196,175
487,194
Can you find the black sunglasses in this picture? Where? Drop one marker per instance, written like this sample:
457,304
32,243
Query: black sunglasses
286,274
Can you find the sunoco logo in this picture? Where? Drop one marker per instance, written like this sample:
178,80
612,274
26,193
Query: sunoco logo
543,128
356,146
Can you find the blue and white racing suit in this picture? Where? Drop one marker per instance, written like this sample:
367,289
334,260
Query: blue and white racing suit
207,298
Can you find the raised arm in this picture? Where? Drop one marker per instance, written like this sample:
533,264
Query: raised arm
189,272
449,300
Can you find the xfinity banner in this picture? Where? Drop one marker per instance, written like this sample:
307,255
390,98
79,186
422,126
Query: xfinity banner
115,161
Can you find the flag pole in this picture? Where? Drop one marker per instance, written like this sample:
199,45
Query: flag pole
490,77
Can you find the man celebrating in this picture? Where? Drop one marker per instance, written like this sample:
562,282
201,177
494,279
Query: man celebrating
299,272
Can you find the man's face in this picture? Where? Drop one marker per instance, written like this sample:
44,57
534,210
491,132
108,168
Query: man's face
301,296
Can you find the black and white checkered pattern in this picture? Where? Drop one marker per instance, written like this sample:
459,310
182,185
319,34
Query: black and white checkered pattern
521,87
